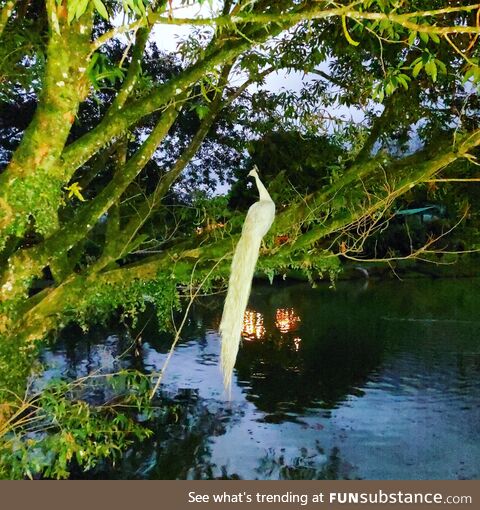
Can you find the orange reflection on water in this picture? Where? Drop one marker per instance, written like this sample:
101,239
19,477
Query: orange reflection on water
253,327
286,320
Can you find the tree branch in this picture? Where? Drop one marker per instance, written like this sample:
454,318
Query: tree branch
409,171
312,13
27,263
119,248
5,14
31,181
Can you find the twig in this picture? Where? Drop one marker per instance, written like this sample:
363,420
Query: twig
182,324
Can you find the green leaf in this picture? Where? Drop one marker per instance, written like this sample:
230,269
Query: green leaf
424,37
129,5
72,9
403,79
473,73
385,24
441,66
81,8
431,69
412,37
74,190
468,75
101,8
141,7
203,90
201,110
417,69
390,88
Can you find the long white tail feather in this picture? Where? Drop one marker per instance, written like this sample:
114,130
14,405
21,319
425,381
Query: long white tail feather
239,286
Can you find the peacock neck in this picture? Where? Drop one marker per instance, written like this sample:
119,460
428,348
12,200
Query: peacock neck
264,195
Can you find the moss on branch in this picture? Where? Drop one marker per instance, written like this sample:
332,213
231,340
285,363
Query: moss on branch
26,264
31,185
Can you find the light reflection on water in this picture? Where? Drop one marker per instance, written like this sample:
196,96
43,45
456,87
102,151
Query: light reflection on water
286,320
253,328
376,383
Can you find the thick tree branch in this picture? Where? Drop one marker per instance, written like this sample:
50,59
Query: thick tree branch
119,248
26,264
89,215
134,69
116,123
31,183
378,126
5,14
312,12
407,172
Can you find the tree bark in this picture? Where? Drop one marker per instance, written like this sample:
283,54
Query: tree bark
31,184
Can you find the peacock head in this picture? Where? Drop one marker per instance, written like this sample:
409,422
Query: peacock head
253,172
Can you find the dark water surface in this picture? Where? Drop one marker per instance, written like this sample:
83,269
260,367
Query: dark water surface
377,380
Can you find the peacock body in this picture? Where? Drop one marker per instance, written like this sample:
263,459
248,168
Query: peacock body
258,221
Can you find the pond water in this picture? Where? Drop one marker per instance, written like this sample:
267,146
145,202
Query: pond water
371,380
